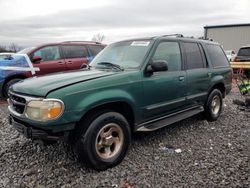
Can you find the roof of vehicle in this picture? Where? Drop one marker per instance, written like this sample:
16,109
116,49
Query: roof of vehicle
71,42
175,36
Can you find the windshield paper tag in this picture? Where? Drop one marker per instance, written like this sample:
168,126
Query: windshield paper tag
140,43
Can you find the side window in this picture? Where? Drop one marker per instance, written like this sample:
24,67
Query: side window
95,49
194,59
74,51
48,53
217,56
169,51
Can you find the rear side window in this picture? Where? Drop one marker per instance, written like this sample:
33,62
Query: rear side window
95,49
217,56
244,52
74,51
194,59
169,51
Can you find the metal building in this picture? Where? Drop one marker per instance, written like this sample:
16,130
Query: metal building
231,37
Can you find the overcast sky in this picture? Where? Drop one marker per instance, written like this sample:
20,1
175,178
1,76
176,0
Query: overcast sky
31,22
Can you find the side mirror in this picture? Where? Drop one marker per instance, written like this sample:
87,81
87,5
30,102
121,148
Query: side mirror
157,66
36,59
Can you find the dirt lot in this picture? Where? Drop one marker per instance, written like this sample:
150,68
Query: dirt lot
211,154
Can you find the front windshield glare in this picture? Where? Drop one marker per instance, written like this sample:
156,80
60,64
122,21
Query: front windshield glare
126,54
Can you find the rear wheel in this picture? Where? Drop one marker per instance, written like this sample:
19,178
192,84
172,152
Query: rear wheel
213,106
7,85
105,143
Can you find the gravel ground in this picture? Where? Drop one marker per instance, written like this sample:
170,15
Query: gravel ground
211,154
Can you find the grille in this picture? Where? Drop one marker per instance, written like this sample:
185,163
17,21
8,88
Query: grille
18,103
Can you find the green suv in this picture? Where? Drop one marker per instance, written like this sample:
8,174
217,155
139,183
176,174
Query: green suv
134,85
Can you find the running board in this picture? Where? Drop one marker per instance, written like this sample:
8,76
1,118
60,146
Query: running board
169,119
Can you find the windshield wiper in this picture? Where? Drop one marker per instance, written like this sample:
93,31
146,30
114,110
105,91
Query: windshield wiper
111,64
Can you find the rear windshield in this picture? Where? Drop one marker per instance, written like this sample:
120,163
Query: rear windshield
244,52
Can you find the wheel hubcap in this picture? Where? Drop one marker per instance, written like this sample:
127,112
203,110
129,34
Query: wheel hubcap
215,105
109,141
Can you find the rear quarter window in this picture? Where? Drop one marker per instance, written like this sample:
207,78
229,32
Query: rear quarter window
217,56
95,49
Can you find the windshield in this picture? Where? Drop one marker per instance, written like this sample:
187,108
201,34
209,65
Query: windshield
244,52
25,50
126,54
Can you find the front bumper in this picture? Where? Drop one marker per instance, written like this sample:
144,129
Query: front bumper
35,133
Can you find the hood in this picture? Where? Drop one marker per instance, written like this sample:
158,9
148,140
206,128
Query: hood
41,86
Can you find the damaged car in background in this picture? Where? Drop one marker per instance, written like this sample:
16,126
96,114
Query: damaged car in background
45,59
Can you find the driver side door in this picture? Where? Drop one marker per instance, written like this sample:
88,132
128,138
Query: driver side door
165,91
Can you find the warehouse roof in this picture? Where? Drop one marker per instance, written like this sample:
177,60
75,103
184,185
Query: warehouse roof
229,25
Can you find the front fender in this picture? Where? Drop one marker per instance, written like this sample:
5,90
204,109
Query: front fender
78,104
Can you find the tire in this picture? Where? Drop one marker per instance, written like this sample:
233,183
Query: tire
7,86
213,106
105,142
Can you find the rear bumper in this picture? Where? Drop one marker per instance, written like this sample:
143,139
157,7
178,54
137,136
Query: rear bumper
35,133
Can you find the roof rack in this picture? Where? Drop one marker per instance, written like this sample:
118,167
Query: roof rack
93,42
205,38
173,35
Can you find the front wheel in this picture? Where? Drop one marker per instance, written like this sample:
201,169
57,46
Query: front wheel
105,143
213,106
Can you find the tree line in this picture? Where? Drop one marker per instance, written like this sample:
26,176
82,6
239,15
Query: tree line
10,48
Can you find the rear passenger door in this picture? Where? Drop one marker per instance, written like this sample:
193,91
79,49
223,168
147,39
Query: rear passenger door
75,56
198,74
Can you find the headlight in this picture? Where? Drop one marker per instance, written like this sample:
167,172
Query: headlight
44,110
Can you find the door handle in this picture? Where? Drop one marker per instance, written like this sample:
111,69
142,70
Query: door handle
209,74
69,62
60,63
181,78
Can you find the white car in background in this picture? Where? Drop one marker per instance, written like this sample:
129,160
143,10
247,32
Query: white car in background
230,54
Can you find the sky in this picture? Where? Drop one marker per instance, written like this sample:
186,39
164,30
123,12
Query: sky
32,22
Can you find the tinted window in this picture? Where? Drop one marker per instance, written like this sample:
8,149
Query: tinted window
95,49
194,58
48,53
169,51
244,52
217,56
75,51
